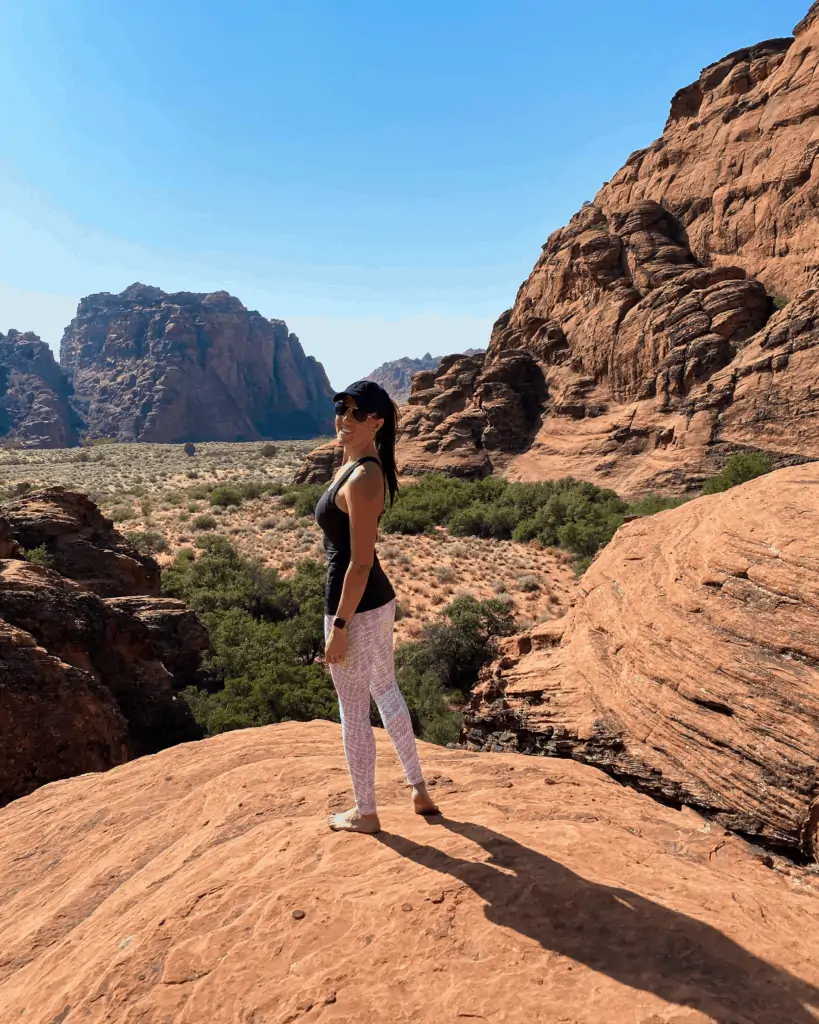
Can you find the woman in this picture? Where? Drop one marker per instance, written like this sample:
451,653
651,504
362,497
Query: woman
360,602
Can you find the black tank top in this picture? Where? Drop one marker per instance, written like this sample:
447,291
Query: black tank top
335,525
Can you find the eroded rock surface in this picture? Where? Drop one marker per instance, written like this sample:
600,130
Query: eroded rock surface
672,320
689,666
35,406
86,681
80,542
150,366
547,893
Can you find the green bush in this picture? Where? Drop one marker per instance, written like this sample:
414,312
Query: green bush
557,513
652,503
38,556
204,522
739,469
266,634
147,542
302,498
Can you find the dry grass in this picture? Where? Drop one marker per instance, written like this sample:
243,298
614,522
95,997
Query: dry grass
147,488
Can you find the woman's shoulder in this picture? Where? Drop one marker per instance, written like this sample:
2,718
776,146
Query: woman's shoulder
367,479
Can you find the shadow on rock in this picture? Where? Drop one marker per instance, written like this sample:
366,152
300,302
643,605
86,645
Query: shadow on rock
617,932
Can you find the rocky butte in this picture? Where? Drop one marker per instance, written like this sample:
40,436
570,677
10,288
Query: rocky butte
674,320
145,365
35,396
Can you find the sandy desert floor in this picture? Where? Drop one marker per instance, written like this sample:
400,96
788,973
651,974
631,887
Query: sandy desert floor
154,489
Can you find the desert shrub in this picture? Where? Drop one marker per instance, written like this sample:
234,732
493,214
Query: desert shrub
444,573
528,583
147,542
302,498
204,522
779,301
38,556
442,666
404,519
266,634
19,488
120,513
652,503
268,451
739,469
566,513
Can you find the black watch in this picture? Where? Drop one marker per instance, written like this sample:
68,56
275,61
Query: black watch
339,623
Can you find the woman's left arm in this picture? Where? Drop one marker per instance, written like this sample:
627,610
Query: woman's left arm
365,499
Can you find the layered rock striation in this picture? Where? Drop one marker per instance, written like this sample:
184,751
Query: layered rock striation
150,366
35,408
89,671
689,666
673,320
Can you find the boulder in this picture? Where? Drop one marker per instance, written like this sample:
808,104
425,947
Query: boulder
689,666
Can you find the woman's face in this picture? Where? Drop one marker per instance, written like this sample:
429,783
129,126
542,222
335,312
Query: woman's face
348,428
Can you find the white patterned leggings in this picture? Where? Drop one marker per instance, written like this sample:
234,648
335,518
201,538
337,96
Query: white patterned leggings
368,668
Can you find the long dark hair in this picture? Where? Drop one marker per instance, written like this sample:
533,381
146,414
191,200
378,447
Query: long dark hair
385,446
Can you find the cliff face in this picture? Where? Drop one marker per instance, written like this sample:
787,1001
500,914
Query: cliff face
149,366
90,657
396,376
34,394
650,337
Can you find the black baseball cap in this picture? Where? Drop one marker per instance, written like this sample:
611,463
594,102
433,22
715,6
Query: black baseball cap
369,396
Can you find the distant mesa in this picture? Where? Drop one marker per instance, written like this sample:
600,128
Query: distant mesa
146,365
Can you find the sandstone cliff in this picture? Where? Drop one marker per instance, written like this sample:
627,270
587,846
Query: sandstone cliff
689,666
396,376
34,394
151,366
650,339
546,893
88,674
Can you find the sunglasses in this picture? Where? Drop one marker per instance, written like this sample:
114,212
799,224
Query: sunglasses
358,414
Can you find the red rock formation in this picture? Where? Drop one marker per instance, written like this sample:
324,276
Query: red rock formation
689,666
396,376
80,542
86,682
34,395
646,344
215,893
149,366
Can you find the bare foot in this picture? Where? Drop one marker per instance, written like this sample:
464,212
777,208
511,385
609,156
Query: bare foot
352,821
422,801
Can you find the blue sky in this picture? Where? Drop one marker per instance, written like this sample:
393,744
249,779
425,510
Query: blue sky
381,175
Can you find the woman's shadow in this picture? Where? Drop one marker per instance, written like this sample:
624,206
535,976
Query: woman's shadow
618,933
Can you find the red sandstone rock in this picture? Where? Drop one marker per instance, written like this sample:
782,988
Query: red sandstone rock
689,666
645,345
201,885
81,543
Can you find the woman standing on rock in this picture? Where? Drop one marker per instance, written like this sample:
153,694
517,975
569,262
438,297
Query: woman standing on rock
359,601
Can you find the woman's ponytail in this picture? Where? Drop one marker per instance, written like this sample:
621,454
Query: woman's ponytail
385,446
